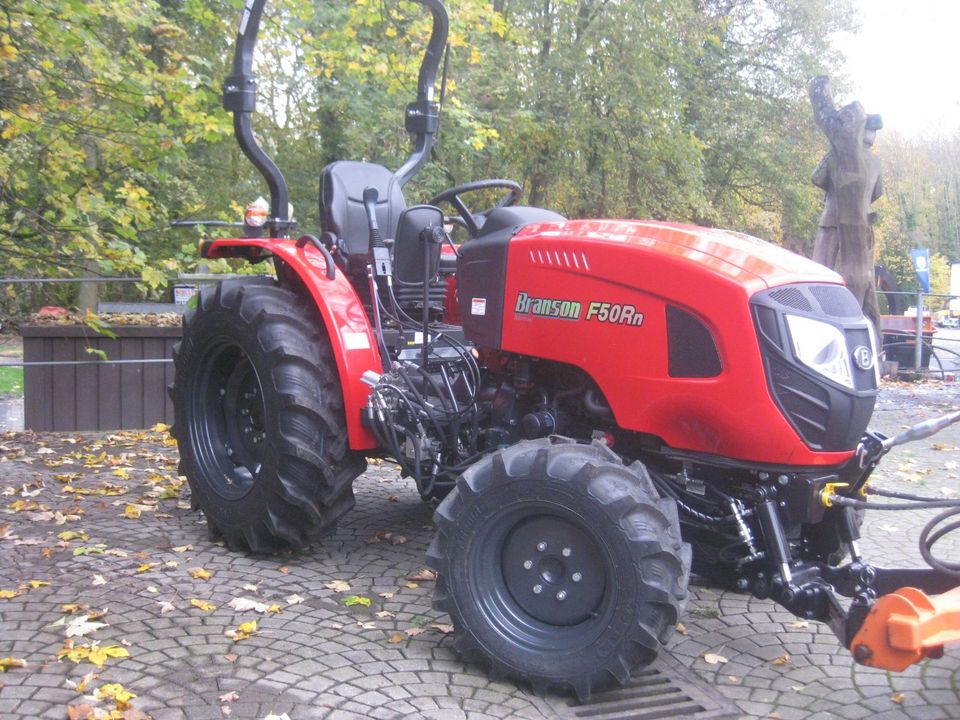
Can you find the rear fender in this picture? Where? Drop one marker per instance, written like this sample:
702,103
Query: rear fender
348,328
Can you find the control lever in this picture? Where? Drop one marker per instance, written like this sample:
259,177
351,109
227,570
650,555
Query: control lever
379,254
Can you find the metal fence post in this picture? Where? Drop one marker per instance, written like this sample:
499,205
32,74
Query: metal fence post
918,350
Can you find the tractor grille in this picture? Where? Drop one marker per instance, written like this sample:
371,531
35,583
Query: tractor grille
836,301
828,417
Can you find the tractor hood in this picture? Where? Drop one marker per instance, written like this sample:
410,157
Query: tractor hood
748,261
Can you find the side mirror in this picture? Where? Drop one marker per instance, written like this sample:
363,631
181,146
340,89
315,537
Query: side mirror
416,249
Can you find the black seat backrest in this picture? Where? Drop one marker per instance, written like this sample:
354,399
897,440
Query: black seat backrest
341,202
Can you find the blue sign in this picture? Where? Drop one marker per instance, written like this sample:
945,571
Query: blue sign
921,264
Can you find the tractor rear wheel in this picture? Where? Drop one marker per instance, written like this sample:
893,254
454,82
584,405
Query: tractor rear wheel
559,565
259,418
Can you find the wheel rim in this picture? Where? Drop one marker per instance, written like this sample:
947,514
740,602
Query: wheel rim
228,420
543,577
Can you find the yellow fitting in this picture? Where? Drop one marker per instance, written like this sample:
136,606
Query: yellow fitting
829,491
863,491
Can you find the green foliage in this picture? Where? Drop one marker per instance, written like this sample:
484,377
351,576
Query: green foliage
690,110
11,381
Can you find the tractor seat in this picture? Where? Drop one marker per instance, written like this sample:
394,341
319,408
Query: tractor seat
341,204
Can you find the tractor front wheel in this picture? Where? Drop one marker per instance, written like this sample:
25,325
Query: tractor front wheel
559,565
258,418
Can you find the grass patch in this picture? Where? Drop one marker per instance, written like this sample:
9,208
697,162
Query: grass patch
11,381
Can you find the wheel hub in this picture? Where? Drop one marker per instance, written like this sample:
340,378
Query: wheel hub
229,407
553,570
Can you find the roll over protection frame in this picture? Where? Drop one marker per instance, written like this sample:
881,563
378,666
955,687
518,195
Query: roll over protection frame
422,117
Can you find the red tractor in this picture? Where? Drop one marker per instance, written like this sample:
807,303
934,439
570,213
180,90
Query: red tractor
601,408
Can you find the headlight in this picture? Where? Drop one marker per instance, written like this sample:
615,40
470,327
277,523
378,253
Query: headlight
821,347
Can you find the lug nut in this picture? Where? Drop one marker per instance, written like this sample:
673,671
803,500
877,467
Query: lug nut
541,546
576,577
527,564
566,552
537,589
562,595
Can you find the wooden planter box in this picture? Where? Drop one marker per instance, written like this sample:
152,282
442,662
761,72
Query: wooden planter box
96,396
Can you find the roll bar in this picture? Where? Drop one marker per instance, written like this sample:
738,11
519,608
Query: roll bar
422,117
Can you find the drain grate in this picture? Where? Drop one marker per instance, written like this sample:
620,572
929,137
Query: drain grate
665,689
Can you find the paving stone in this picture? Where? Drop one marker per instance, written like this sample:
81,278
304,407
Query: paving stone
300,662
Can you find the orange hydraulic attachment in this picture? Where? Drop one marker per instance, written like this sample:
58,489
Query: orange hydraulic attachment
905,627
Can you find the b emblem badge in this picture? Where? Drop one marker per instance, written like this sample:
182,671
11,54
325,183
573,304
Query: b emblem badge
863,357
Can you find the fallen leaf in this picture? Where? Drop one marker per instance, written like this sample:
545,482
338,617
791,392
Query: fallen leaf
782,660
83,711
166,606
182,548
8,594
10,662
284,569
385,615
395,638
34,584
81,687
367,625
131,512
398,540
198,573
423,574
682,629
68,535
414,631
386,595
356,600
81,625
294,599
116,692
242,604
338,586
145,567
93,653
411,585
99,580
799,625
441,627
229,697
242,632
231,658
898,698
202,604
251,587
714,659
734,679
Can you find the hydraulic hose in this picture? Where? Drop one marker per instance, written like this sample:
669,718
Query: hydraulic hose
930,533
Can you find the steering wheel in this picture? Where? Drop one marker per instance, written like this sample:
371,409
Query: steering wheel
474,221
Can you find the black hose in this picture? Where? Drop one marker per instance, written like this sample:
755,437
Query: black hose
920,505
928,538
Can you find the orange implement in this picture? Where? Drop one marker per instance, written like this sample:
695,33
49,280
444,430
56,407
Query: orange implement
907,626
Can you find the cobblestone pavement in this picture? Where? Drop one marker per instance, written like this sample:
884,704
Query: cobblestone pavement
65,523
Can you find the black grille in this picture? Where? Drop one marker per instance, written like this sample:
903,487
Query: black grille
792,297
806,404
836,301
691,350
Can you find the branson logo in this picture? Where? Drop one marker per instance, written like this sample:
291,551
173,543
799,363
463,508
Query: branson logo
547,307
863,357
